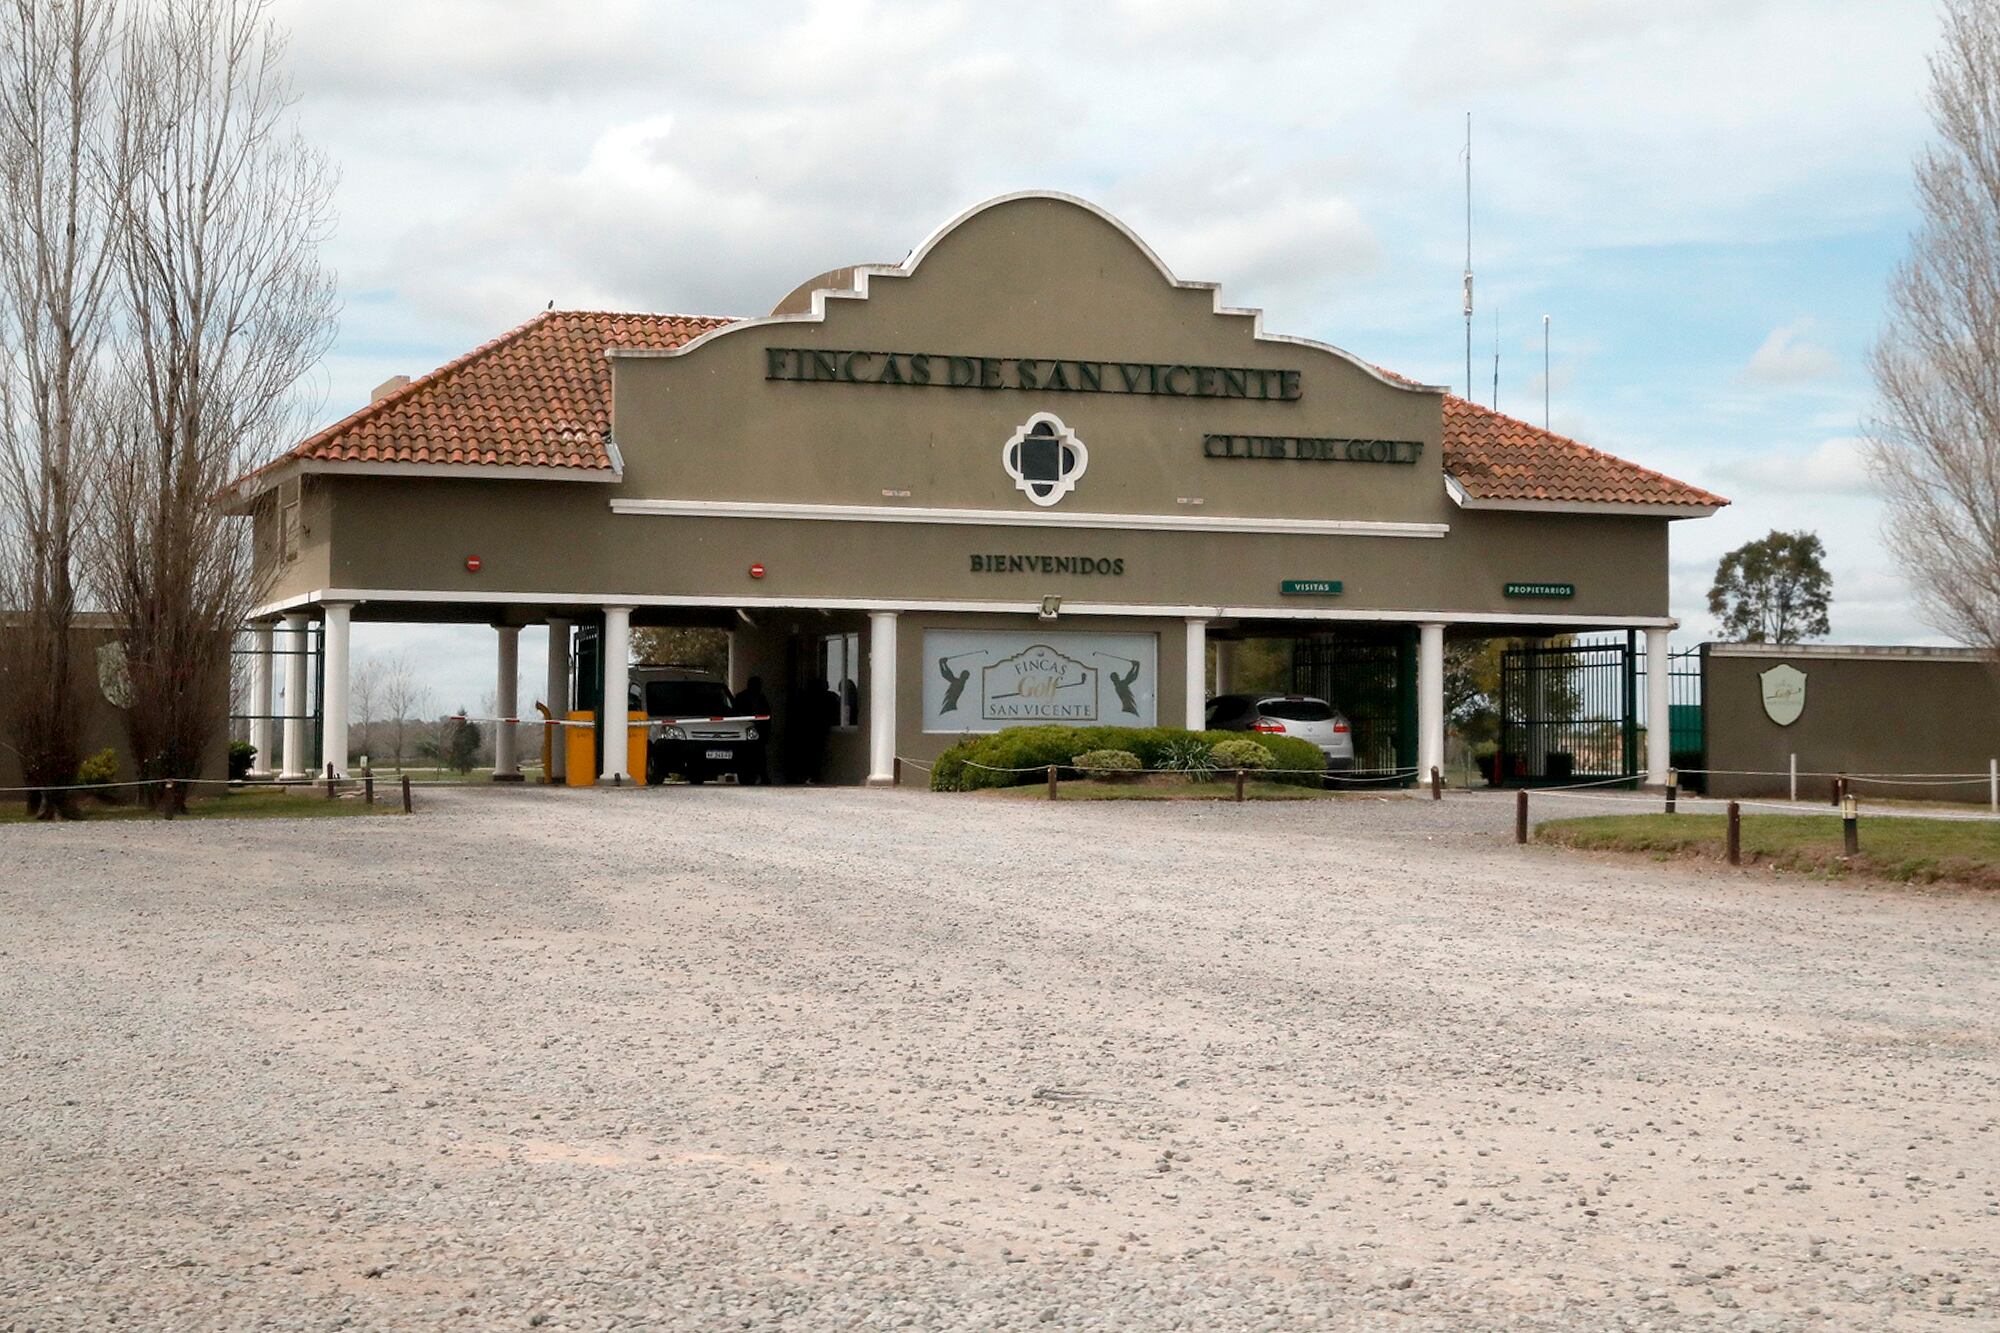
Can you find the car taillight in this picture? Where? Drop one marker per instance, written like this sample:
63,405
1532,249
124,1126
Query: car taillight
1340,728
1268,728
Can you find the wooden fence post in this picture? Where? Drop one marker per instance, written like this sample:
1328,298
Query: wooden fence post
1850,824
1673,789
368,789
1437,784
1052,782
1521,815
1735,844
407,807
1239,784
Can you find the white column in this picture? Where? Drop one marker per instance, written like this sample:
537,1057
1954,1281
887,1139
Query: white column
260,699
557,698
881,698
617,649
1195,691
1659,709
1225,660
1430,700
507,705
295,642
738,673
333,706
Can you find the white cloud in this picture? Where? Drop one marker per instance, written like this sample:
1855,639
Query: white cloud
1837,466
1788,357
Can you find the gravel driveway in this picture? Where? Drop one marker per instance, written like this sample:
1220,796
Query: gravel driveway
718,1058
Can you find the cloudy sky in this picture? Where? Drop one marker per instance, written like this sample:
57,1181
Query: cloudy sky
1706,197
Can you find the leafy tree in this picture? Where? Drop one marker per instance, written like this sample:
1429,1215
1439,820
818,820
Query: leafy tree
456,747
1773,590
688,646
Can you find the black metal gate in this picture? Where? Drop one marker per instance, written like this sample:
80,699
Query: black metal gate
1568,713
1686,744
308,643
1372,682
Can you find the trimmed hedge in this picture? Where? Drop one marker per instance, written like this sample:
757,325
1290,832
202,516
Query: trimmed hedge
1035,748
1108,765
1240,754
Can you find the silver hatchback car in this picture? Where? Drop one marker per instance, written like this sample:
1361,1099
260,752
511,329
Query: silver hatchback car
1299,716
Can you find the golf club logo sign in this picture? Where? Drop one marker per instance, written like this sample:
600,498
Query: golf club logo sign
1044,458
982,682
1784,690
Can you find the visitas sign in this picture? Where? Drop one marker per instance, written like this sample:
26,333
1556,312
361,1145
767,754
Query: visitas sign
983,681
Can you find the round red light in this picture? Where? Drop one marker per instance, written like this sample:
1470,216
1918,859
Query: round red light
757,571
472,564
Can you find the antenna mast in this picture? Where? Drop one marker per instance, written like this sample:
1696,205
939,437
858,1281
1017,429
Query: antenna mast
1468,254
1496,358
1545,373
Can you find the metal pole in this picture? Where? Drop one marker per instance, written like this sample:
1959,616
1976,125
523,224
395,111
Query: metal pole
1521,815
1993,785
1795,777
1673,788
1735,834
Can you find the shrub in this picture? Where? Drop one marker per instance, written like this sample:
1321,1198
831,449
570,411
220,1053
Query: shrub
1188,756
1230,755
100,767
1021,755
241,755
1110,765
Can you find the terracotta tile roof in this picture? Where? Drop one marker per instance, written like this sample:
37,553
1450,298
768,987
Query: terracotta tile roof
540,395
1495,457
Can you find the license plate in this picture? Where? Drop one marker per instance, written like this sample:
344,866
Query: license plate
721,754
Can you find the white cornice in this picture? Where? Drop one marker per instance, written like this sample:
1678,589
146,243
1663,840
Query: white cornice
863,272
1018,518
251,487
536,600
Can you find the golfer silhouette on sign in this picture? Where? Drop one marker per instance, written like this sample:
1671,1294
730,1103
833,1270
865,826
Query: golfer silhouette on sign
1123,684
955,682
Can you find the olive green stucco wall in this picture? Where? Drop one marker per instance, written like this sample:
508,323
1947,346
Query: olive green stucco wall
1879,710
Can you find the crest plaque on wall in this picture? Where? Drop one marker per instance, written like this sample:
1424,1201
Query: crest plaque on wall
1784,689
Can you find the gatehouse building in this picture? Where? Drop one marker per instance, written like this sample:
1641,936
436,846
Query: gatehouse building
1024,475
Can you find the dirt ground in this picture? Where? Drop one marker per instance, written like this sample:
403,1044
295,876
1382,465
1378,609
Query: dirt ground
749,1058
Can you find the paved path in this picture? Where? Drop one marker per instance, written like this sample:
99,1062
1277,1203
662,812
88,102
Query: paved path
729,1058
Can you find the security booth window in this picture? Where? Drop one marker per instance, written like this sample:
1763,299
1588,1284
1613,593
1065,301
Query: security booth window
688,698
840,673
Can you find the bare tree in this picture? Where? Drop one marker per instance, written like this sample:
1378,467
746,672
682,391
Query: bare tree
364,693
56,270
1936,438
403,699
227,307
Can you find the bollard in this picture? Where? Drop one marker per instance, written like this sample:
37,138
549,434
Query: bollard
1239,784
407,807
1437,784
1052,782
1850,825
1673,788
1521,815
1735,845
167,802
368,790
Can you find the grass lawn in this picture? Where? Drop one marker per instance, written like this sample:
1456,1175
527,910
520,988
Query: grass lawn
1892,847
238,803
1161,788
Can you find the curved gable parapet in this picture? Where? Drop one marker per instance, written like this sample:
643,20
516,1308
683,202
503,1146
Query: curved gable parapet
854,284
